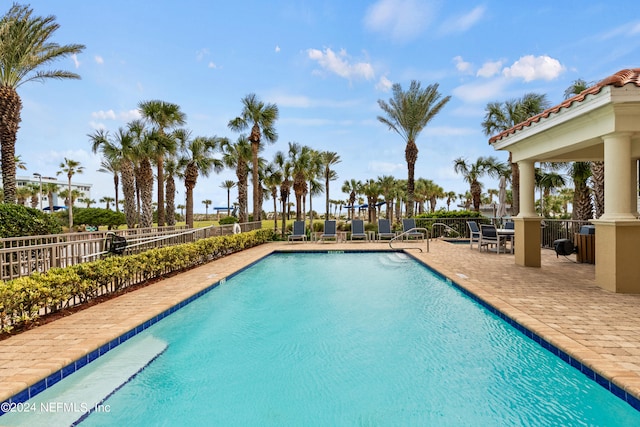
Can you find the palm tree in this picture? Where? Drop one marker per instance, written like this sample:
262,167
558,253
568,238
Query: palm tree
198,159
273,178
408,113
88,200
22,194
181,207
451,196
228,185
352,188
120,148
314,171
238,156
70,167
371,190
284,168
25,47
261,118
107,201
144,143
171,171
472,172
582,206
300,157
50,189
547,181
597,168
112,165
162,116
501,116
329,159
206,204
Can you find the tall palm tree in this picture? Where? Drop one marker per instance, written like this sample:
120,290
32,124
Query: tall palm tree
371,189
50,189
329,159
228,185
163,116
112,165
198,159
582,206
597,167
300,157
171,171
501,116
26,46
273,179
284,168
451,196
206,204
408,113
70,167
144,141
472,172
388,187
261,118
315,187
353,188
547,181
237,155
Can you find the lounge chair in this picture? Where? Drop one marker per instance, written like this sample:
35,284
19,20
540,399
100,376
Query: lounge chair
299,232
409,224
329,231
489,237
384,229
474,234
357,230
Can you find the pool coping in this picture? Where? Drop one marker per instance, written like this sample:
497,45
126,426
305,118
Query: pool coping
573,360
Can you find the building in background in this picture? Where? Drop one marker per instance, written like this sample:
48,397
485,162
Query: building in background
43,199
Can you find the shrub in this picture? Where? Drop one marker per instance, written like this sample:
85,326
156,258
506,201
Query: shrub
18,220
226,220
98,217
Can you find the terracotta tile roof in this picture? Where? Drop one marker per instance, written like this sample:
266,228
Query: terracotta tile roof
619,79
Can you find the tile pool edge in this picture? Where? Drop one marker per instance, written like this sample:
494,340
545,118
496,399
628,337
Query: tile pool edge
592,373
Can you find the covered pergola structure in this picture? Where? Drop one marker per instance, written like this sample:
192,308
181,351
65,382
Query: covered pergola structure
600,124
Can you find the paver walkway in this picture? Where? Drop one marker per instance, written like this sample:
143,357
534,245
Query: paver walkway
558,301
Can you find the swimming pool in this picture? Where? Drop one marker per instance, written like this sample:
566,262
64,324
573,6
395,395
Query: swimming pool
347,339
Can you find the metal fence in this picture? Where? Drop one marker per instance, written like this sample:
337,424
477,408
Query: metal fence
22,256
550,229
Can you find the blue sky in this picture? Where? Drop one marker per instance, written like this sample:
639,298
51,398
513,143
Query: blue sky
325,64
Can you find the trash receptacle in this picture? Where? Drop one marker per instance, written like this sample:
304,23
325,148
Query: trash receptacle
586,244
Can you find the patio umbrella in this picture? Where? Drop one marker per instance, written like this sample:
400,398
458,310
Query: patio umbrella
502,198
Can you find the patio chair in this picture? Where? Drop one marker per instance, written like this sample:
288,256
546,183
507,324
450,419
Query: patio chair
299,232
409,224
357,230
384,229
489,237
329,231
474,234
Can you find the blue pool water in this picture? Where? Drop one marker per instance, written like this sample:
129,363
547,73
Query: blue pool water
348,339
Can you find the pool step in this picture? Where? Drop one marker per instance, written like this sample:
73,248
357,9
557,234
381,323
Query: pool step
75,396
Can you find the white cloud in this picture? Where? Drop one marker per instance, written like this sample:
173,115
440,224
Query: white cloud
76,63
212,65
112,115
462,23
531,68
489,69
339,64
385,167
402,20
99,59
462,65
384,84
480,92
200,54
277,49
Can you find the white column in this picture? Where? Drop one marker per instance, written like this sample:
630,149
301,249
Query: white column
618,176
527,188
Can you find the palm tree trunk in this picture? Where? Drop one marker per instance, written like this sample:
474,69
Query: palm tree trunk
146,193
411,155
515,188
129,191
170,192
257,202
597,175
160,173
10,106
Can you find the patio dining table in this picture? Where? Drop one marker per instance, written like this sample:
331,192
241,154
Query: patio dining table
506,234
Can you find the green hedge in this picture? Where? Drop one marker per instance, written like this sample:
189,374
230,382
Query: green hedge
24,299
